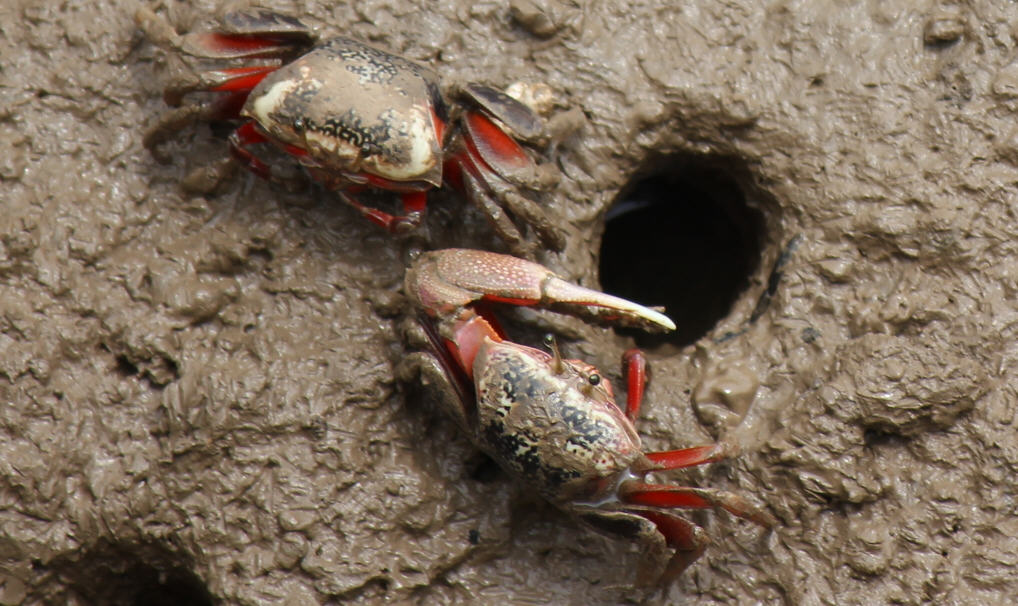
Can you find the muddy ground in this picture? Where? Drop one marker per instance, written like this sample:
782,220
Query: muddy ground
198,393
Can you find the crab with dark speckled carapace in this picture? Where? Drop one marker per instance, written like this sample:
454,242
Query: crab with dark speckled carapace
552,422
358,117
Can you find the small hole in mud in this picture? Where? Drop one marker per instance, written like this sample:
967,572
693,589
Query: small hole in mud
684,236
484,469
875,436
132,574
125,367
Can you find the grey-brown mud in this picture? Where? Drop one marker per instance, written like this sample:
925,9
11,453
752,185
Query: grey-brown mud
198,394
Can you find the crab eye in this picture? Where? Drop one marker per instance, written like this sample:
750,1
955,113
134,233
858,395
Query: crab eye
594,379
299,124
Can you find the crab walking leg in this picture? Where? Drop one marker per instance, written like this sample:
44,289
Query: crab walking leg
414,204
470,183
246,135
636,375
687,497
171,123
227,80
236,83
689,457
215,45
490,145
486,168
687,539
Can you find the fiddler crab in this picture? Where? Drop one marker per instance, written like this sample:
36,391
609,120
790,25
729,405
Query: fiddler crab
550,422
356,117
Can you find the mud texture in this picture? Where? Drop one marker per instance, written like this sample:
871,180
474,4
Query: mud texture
198,393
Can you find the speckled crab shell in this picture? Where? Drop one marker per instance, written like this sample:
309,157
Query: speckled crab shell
327,103
557,431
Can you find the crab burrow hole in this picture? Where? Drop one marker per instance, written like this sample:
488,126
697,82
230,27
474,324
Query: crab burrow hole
683,234
132,574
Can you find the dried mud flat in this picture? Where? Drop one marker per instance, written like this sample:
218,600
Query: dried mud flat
198,393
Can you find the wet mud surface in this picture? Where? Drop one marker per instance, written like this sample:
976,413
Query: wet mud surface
198,391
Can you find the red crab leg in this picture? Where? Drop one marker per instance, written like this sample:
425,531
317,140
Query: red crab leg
471,176
248,134
414,204
226,107
687,539
215,45
239,78
634,369
689,457
687,497
228,80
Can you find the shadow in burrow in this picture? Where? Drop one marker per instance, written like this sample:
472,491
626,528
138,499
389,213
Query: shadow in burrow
128,573
694,234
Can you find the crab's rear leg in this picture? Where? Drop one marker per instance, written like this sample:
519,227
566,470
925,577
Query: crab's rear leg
414,204
668,543
687,497
688,541
235,84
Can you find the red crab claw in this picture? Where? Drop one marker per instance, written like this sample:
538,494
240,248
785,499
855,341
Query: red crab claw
253,33
489,165
244,34
446,282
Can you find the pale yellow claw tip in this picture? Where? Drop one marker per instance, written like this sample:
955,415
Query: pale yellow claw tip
557,290
646,313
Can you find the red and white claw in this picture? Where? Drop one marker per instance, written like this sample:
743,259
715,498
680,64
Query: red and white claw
446,282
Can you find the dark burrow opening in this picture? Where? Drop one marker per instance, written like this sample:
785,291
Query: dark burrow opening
684,235
133,574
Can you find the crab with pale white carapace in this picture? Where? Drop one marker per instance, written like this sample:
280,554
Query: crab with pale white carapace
357,117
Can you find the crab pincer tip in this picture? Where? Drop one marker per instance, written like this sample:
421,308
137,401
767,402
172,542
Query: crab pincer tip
637,311
659,318
608,307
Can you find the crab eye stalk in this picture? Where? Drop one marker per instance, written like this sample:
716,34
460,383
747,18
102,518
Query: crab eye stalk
552,343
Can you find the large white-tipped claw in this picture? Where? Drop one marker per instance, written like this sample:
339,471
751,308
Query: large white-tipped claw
443,282
605,307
